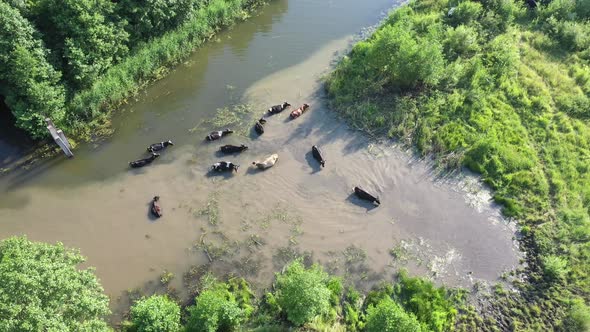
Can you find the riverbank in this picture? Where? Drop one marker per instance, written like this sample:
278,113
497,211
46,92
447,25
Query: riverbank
91,110
105,60
500,90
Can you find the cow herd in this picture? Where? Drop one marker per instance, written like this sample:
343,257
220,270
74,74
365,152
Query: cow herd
228,166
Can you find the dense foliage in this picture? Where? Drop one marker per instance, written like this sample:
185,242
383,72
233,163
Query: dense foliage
216,309
73,60
29,82
156,313
303,293
42,289
389,316
503,89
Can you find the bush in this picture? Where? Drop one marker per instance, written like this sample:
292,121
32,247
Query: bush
432,306
388,316
43,289
216,309
404,59
461,41
303,293
465,13
154,314
554,267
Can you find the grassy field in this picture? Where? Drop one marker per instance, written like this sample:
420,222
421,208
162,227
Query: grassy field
504,90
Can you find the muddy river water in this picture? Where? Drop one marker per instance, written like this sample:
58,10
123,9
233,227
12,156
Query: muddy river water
250,222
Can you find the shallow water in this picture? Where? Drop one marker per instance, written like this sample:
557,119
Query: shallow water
446,228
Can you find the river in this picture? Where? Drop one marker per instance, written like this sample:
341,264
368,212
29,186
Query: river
444,227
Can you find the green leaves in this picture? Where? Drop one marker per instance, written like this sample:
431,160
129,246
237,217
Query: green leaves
33,90
388,316
216,309
303,293
154,314
42,289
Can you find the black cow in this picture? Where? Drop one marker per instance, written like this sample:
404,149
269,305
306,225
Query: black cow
159,146
318,155
143,162
233,148
362,194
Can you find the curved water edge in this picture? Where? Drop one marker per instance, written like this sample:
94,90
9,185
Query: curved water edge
445,228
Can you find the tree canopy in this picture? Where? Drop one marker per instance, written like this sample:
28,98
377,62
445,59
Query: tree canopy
154,314
303,293
42,289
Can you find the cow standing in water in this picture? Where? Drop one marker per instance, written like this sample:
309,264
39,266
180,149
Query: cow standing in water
297,113
156,208
215,135
159,146
276,109
318,155
269,162
362,194
143,162
233,148
224,166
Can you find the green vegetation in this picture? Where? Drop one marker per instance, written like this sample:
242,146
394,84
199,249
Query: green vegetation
389,316
216,310
505,91
75,60
303,293
43,289
156,313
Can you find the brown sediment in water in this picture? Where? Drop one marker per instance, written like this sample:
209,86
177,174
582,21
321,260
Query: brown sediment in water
251,221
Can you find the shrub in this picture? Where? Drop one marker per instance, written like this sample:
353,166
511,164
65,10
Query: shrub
461,41
388,316
154,314
465,13
432,306
554,267
216,309
303,293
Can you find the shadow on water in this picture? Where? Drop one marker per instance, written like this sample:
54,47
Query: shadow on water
314,164
253,170
216,174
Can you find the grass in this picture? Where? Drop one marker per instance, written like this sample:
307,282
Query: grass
505,92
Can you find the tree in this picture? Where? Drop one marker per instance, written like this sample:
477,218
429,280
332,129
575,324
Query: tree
151,18
303,293
31,85
388,316
84,35
154,314
42,289
216,309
